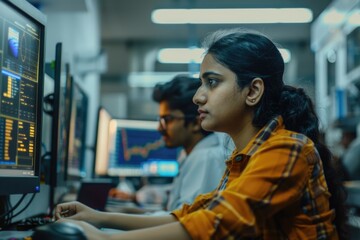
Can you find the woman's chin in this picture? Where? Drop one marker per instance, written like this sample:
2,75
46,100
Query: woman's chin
206,126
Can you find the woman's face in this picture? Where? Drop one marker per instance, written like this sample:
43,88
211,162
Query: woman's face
221,102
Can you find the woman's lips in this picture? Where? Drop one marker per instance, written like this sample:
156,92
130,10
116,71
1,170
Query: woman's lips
202,114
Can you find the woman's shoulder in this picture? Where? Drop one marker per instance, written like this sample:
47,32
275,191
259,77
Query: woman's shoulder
290,139
288,143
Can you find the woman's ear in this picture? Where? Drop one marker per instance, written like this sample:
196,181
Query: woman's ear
256,90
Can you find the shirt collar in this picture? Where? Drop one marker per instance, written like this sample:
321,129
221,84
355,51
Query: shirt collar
253,145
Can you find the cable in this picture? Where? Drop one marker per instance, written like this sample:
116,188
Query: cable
43,145
24,208
13,208
48,104
8,215
3,209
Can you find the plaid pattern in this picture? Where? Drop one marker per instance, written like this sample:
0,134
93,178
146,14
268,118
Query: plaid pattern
273,189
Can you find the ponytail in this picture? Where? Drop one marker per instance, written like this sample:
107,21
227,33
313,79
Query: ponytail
299,115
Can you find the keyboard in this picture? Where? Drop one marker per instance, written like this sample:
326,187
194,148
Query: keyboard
33,222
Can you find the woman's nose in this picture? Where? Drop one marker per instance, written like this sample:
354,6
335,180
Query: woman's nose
199,97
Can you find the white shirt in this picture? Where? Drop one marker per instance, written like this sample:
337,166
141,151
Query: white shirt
199,172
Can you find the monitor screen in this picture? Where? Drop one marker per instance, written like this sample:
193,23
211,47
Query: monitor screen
22,30
77,133
102,142
137,149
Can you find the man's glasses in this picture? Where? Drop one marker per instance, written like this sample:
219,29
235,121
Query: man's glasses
165,119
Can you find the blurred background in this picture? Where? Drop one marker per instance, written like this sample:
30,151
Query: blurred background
113,48
115,51
121,40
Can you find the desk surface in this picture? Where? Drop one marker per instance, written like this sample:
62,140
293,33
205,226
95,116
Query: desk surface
15,234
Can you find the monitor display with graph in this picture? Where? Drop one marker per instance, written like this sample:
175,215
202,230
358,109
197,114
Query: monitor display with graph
22,35
137,149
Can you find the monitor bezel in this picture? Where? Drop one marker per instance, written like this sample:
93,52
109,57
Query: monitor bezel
57,176
97,170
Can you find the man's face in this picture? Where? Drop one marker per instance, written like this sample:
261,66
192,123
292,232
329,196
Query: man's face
172,126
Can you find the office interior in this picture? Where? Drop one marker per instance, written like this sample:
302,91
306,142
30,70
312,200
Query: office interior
109,51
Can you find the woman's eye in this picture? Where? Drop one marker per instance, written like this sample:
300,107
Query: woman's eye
212,82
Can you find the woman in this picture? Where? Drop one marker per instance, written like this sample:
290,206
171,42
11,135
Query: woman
279,183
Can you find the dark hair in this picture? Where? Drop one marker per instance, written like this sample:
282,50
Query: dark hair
179,93
250,55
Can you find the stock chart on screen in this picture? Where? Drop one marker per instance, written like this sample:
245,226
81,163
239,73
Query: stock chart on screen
139,150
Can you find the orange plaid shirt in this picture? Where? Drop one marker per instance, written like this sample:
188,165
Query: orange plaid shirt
273,189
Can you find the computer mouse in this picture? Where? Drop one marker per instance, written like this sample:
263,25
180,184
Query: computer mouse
59,231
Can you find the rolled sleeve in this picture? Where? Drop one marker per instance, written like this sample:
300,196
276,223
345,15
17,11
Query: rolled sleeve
201,224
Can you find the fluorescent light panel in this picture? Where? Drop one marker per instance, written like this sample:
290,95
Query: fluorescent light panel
196,55
232,16
354,18
180,55
333,17
150,79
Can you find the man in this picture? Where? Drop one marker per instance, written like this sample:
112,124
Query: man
202,159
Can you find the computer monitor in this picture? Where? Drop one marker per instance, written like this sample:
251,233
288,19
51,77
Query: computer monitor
22,29
77,133
57,105
136,148
101,155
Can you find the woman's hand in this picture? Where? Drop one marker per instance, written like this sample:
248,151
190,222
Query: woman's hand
77,211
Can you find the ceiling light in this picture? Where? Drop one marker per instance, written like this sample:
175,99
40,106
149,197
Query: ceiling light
354,18
180,55
333,17
150,79
196,55
232,16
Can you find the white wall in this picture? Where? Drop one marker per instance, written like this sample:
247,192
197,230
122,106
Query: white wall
80,36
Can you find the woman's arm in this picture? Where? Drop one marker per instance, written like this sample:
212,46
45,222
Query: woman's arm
78,211
132,221
173,231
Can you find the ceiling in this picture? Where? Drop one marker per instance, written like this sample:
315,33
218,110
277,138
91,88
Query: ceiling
127,24
127,31
130,20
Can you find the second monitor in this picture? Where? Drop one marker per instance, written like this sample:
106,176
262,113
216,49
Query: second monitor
136,148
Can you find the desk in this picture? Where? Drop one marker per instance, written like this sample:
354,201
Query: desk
4,235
